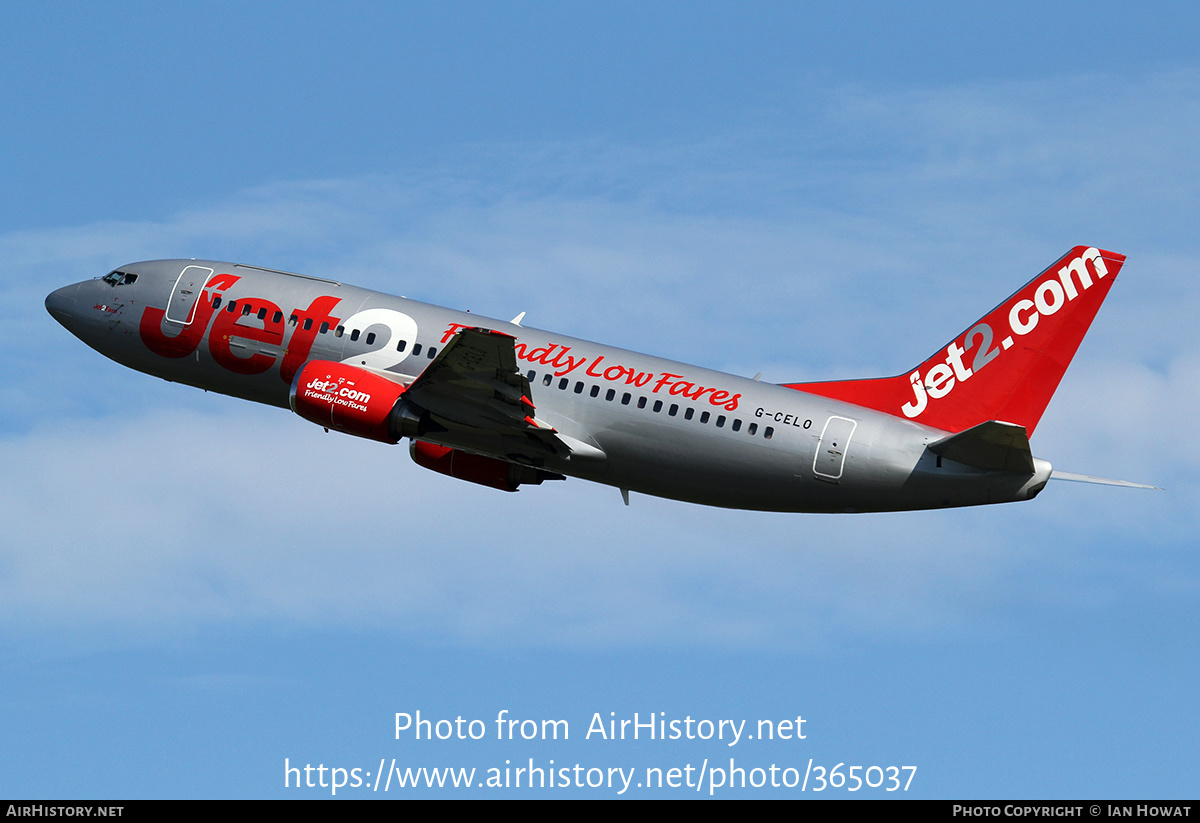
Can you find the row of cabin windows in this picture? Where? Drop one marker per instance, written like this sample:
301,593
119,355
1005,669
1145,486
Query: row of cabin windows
672,411
247,310
547,379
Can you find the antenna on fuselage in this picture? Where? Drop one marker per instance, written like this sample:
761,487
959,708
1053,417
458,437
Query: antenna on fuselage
516,321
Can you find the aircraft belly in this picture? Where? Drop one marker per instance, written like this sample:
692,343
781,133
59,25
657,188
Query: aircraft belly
721,479
696,463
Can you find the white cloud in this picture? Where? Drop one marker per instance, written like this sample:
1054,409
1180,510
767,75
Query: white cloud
179,521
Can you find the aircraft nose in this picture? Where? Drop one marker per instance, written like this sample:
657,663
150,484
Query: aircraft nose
61,303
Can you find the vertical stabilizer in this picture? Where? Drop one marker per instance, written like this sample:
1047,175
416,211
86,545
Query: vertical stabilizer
1005,366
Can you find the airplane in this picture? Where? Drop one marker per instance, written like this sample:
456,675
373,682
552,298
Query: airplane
505,405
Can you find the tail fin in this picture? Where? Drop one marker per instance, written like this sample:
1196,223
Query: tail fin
1004,367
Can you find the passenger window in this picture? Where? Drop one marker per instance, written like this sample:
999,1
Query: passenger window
232,307
673,410
562,384
657,406
704,417
370,338
217,302
769,432
641,402
531,375
339,331
753,429
625,398
737,423
354,335
307,323
291,320
416,349
610,394
688,412
720,420
246,310
324,328
400,345
595,391
277,317
547,379
432,352
262,314
579,387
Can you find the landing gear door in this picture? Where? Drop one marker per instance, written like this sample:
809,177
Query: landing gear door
182,306
831,451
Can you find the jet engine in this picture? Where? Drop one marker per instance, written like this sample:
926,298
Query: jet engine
476,468
354,401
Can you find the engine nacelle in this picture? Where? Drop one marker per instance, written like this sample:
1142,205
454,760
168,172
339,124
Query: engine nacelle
351,400
487,471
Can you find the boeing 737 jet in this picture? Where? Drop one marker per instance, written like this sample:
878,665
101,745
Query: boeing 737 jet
501,404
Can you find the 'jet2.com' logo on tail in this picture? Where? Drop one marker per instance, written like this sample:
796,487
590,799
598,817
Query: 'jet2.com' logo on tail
1043,298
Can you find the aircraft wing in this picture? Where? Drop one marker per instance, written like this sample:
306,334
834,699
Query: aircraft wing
474,383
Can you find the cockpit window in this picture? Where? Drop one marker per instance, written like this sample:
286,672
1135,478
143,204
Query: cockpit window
119,278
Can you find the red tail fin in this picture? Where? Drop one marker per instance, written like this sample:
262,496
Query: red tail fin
1004,367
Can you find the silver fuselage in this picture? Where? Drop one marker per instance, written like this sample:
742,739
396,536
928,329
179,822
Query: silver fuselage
647,424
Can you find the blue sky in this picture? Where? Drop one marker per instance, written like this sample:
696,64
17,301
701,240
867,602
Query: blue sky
186,599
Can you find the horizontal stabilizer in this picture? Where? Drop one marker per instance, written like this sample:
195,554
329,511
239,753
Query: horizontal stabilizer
1101,481
994,446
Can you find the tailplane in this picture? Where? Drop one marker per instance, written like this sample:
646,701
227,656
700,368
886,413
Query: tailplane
993,446
1101,481
1006,366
